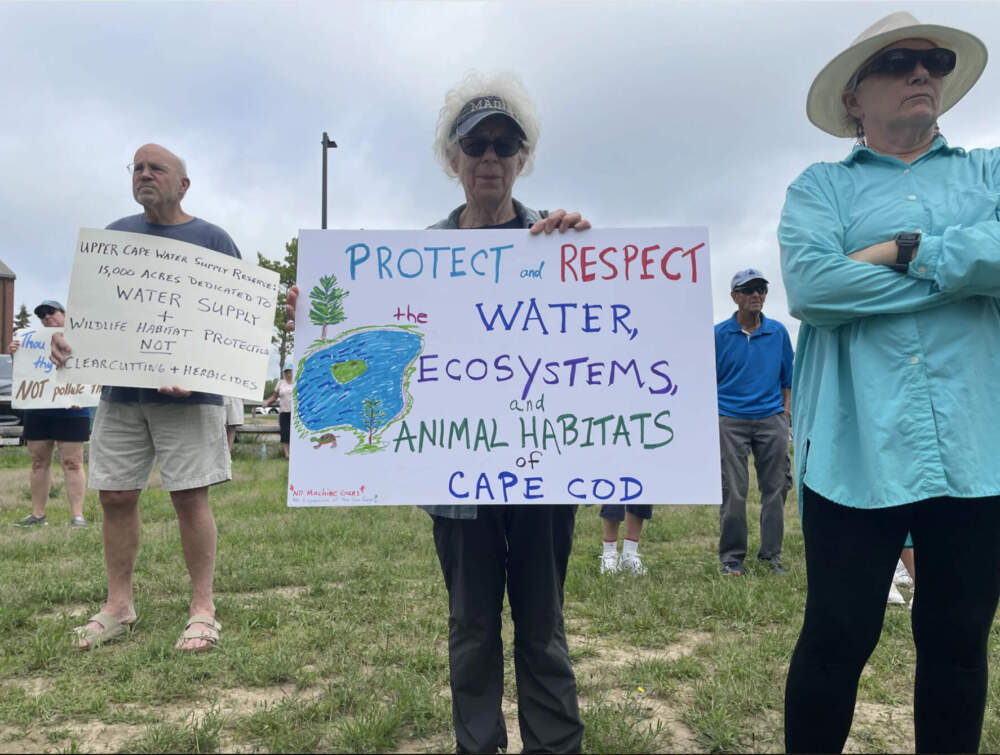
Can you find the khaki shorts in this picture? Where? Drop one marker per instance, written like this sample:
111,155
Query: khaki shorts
188,441
234,411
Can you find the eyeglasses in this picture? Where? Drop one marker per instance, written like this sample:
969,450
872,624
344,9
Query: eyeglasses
45,311
505,146
939,61
154,168
752,288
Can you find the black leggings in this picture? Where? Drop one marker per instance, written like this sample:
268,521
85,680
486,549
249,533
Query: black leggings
850,555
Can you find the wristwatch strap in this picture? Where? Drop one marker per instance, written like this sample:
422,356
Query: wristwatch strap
906,246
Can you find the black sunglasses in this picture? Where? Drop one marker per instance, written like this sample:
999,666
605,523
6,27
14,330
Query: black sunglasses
45,311
753,288
939,61
505,146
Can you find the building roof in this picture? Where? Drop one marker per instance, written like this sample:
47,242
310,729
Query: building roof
6,272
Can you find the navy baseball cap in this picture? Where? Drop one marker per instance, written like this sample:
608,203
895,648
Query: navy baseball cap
478,109
745,276
49,303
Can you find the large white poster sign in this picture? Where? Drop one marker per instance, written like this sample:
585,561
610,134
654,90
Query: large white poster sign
480,367
37,384
148,311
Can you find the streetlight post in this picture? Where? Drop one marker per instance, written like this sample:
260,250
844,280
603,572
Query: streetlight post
327,143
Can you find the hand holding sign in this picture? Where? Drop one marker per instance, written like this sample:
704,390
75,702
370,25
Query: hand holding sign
154,312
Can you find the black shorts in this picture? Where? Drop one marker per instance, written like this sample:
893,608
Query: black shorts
615,512
284,426
40,425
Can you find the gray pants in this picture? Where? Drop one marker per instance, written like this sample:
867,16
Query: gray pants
767,439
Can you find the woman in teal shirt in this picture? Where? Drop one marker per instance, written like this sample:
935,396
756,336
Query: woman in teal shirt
891,259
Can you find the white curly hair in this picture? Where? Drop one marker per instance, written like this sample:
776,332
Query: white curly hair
506,85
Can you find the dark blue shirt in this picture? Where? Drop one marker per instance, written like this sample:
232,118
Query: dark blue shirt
752,369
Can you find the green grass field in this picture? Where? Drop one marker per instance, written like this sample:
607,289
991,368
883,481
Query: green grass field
334,635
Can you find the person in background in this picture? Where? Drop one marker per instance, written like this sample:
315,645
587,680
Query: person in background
753,359
612,515
43,430
283,395
234,418
903,576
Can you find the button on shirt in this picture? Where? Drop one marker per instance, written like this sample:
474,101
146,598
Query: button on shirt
752,369
896,393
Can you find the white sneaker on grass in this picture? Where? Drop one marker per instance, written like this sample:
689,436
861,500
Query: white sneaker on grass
902,577
610,563
632,563
895,597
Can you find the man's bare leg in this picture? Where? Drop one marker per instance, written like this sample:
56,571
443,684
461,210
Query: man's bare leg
198,539
121,547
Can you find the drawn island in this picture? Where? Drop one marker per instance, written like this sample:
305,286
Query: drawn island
357,383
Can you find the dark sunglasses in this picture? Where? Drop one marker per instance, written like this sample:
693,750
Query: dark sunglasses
753,288
939,61
505,146
45,312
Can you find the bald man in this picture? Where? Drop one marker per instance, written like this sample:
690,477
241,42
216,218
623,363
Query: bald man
183,430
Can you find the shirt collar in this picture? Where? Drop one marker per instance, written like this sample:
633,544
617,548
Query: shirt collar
733,325
939,144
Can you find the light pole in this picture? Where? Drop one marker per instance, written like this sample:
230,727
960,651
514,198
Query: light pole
327,143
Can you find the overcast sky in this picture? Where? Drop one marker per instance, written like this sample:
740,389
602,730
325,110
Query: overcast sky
652,114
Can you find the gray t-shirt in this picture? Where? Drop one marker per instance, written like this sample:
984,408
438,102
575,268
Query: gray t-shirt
195,231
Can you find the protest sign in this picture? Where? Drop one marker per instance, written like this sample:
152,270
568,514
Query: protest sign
37,384
148,311
485,366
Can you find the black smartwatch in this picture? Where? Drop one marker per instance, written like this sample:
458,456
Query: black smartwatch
906,249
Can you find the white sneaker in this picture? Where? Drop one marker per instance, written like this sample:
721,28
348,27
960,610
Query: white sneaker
901,577
610,563
633,563
895,597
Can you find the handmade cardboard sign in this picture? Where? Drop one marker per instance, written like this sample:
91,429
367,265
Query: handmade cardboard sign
447,367
37,384
148,311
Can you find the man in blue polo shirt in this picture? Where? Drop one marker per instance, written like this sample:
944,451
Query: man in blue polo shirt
753,364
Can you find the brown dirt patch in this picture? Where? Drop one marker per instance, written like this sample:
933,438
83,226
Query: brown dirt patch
34,686
614,656
881,726
68,609
675,735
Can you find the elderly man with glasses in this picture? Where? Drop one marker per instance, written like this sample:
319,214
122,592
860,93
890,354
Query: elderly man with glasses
184,431
753,360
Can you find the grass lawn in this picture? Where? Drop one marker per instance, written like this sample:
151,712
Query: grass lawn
335,625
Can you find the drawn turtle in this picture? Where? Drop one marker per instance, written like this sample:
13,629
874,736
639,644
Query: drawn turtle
326,438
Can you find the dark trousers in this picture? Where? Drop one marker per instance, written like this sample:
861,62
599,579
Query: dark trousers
767,439
850,559
525,548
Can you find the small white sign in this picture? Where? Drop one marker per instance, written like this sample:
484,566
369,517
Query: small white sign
37,384
147,311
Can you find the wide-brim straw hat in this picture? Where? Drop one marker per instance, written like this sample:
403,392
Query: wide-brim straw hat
824,105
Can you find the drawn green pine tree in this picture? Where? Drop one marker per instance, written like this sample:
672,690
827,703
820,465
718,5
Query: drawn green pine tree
373,416
327,307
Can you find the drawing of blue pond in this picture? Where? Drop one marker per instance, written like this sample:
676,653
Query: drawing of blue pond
336,381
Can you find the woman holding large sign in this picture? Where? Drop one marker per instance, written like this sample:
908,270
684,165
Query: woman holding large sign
486,137
891,259
43,429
